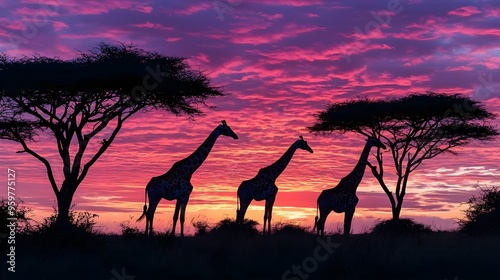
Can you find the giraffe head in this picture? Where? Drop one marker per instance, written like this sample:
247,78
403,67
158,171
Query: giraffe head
302,144
225,130
372,141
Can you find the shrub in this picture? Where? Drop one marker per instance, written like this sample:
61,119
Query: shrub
201,227
81,223
483,214
23,222
227,225
128,231
404,226
289,228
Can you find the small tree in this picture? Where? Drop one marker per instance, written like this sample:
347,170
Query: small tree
21,213
73,101
416,128
483,214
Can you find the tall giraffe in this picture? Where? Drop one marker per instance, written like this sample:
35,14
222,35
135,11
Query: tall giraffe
175,184
263,185
342,198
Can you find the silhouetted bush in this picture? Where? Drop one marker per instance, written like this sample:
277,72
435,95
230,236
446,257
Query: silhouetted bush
404,226
24,224
227,225
288,228
483,214
128,231
201,227
82,224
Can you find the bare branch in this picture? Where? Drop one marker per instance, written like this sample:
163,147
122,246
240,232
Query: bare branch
45,162
103,148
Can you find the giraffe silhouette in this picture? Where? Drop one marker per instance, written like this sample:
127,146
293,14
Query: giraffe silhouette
175,184
342,198
263,185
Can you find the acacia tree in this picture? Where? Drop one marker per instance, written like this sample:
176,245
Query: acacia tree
74,101
417,127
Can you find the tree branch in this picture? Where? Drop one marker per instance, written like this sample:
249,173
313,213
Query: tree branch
380,180
50,174
103,148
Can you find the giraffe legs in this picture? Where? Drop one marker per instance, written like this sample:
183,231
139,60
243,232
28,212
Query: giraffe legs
176,216
150,213
180,206
347,221
320,224
268,214
183,214
240,215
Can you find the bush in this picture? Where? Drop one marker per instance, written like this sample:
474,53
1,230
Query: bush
483,214
227,225
127,231
81,223
23,222
201,227
404,226
289,228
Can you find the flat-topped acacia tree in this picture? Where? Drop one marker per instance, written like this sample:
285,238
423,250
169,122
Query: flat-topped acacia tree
73,101
415,128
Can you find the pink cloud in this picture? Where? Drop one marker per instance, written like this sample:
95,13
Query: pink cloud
116,35
493,12
271,17
293,3
95,7
459,68
41,12
247,28
59,25
290,30
413,61
152,25
200,58
16,25
89,7
468,30
465,11
144,9
194,9
173,39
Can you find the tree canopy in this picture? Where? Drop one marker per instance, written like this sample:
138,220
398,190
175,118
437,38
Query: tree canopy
415,128
79,98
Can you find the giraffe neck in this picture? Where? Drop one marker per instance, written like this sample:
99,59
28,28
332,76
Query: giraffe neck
274,170
194,161
354,178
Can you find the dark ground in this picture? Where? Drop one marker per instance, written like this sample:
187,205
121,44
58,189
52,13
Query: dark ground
438,255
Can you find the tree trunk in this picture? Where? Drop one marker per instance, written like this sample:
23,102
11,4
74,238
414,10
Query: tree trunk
64,200
396,211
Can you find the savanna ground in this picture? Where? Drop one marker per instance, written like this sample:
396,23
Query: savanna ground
229,254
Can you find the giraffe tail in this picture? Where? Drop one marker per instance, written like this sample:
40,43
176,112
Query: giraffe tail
316,218
145,208
237,207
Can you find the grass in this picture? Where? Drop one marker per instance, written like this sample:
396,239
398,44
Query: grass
229,255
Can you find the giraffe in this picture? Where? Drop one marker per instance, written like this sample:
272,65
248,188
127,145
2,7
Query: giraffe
263,185
342,198
175,184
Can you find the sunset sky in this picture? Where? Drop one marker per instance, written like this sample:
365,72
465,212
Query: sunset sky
280,62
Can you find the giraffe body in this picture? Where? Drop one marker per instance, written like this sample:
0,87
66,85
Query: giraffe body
175,184
342,198
263,185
